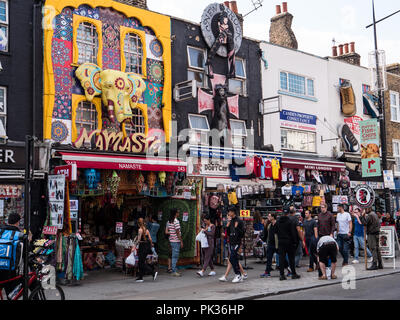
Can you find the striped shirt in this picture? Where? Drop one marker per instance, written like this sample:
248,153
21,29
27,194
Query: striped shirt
172,228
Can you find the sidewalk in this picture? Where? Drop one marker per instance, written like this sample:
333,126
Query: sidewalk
114,285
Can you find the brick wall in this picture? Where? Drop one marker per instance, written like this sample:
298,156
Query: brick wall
137,3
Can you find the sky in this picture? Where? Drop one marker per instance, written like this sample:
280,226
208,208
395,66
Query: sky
316,22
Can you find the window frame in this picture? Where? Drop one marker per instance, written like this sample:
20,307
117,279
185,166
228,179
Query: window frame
124,31
242,136
6,24
299,131
76,99
243,80
306,84
396,106
199,116
3,139
195,131
397,157
194,69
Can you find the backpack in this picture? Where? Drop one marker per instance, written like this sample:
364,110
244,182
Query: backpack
10,249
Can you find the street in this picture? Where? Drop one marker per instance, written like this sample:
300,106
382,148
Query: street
382,288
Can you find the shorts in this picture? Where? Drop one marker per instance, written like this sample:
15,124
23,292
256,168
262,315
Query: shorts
328,251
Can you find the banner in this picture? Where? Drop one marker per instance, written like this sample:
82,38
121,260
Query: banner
370,148
56,187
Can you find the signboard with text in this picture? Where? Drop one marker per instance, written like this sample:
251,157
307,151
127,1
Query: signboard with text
297,120
370,148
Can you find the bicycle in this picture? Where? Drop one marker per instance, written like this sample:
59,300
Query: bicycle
38,283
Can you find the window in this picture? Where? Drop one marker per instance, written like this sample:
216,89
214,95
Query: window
196,68
3,25
395,106
138,121
298,140
297,84
87,42
238,84
239,133
200,128
3,114
86,116
396,155
133,50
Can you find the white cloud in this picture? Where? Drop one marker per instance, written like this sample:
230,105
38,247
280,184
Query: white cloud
348,17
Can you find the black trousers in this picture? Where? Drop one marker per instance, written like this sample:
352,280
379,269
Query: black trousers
144,268
286,248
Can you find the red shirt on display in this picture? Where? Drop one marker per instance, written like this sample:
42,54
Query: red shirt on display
258,163
268,169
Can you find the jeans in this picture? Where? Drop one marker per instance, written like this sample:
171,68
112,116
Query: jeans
270,253
311,244
176,247
299,253
359,244
233,258
343,241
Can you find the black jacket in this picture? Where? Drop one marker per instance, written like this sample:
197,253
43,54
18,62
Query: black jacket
235,234
286,230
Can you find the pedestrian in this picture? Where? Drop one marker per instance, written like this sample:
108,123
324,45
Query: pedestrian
209,230
326,222
235,232
145,245
224,278
258,221
272,244
344,227
287,244
388,220
295,217
327,249
358,237
371,220
153,226
175,239
311,237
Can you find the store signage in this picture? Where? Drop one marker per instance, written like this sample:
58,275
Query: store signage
387,238
227,154
370,147
119,227
354,124
69,171
374,185
14,158
389,179
7,191
207,167
50,230
297,120
364,196
111,141
245,214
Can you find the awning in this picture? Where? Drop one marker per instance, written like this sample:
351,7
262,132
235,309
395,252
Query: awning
114,162
311,164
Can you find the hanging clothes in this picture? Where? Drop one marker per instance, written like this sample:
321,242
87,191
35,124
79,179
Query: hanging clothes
78,265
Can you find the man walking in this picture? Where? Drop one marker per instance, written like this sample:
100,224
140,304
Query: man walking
358,238
287,244
345,226
235,232
272,244
311,235
373,228
326,222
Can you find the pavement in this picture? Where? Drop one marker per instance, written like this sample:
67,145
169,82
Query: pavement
111,284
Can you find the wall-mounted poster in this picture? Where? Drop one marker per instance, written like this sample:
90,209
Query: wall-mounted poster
56,187
370,148
387,241
57,214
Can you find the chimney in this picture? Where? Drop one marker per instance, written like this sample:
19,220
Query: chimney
232,5
393,68
135,3
278,9
281,32
334,51
349,56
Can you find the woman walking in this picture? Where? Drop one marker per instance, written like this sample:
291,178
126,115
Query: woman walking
145,244
209,231
173,229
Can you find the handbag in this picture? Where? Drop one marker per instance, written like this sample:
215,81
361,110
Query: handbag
202,238
131,260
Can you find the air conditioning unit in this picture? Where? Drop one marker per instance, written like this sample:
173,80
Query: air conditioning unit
185,90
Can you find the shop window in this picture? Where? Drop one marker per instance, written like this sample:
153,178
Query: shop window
87,42
199,129
239,133
4,25
86,116
133,50
3,114
237,85
297,84
395,106
297,140
196,66
396,155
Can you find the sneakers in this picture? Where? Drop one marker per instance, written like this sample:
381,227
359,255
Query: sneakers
155,276
289,274
265,275
200,273
281,278
212,273
244,276
370,259
176,274
348,138
237,278
296,276
139,280
223,279
348,101
355,262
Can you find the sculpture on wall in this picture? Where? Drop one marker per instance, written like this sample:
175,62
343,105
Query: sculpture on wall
220,119
120,91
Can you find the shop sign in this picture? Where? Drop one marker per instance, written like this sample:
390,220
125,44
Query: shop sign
185,217
69,171
374,185
387,241
370,148
354,124
111,141
119,227
298,120
7,191
340,199
50,230
207,167
245,214
389,179
364,196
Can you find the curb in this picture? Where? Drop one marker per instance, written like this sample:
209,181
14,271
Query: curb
331,283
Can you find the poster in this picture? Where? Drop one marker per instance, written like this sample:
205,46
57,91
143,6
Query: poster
57,214
387,242
370,148
185,217
389,179
74,205
56,187
119,227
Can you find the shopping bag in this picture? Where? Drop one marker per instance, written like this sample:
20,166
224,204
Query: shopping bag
131,260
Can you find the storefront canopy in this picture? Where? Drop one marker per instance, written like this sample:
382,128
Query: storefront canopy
114,162
313,164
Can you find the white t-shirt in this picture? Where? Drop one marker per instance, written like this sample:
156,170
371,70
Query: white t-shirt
323,240
343,220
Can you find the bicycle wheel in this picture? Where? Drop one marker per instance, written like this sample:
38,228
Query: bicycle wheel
49,294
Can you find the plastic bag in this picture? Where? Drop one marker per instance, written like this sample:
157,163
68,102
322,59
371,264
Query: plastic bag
131,260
